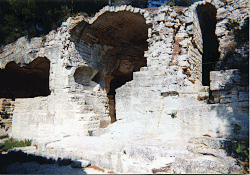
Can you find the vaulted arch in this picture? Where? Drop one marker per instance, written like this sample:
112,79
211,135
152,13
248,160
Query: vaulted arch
28,81
126,34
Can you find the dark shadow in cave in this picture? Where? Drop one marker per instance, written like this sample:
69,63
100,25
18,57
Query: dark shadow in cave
115,83
207,18
127,33
29,81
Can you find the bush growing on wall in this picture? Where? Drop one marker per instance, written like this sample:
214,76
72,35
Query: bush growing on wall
240,33
119,2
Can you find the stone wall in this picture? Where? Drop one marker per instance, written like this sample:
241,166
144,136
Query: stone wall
174,70
6,110
129,64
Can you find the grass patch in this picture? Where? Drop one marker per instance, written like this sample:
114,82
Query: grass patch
90,133
4,136
11,143
174,114
241,147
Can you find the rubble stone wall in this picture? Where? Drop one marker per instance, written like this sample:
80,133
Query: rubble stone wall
105,69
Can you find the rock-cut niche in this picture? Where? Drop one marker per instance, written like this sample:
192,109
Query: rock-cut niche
28,81
83,75
126,34
207,18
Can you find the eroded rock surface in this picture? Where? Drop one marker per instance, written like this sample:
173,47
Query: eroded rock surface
151,78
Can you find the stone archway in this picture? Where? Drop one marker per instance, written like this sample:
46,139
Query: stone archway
28,81
125,33
207,19
83,75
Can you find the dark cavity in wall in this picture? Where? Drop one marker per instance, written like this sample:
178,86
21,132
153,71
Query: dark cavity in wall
207,18
127,33
115,83
29,81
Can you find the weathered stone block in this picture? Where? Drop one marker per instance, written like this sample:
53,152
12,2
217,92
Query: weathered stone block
243,96
182,57
160,17
80,164
229,99
221,80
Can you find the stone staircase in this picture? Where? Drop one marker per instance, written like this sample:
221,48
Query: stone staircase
88,123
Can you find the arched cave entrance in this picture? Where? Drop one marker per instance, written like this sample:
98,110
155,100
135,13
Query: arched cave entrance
83,75
127,33
207,18
115,83
28,81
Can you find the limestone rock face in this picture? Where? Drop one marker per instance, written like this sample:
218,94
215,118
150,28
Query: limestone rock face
80,164
7,107
165,75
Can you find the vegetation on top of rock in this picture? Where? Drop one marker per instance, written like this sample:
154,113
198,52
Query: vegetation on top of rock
241,147
184,3
240,33
4,136
119,2
34,18
11,143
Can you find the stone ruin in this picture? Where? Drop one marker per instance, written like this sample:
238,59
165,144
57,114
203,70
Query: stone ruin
171,74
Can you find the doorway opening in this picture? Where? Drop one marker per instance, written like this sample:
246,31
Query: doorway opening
28,81
126,34
115,83
207,18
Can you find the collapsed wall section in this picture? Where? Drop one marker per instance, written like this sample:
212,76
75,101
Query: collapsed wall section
35,116
95,79
118,39
171,84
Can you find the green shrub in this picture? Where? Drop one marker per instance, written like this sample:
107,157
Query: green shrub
242,150
4,115
4,136
11,143
90,133
170,2
173,115
241,146
236,128
119,2
241,34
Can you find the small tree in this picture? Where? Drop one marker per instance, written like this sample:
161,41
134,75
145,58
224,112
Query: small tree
180,2
170,2
119,2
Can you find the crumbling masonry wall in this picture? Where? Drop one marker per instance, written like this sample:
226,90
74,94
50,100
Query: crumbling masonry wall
131,64
171,84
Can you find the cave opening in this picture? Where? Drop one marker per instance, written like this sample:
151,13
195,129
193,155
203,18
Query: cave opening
116,82
83,75
207,19
28,81
125,33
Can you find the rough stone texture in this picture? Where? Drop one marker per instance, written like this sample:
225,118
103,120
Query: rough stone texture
80,164
129,75
6,109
